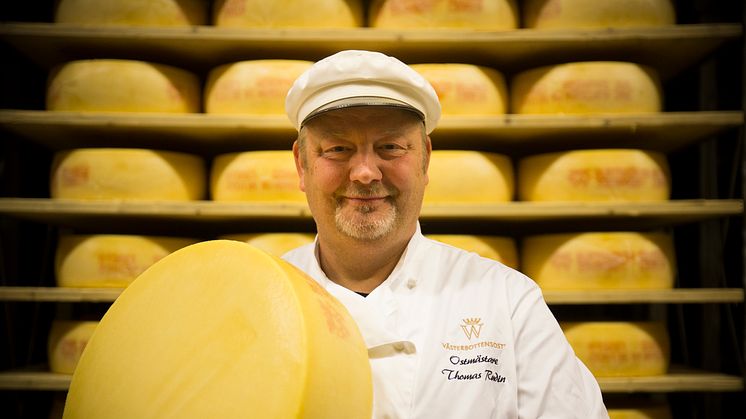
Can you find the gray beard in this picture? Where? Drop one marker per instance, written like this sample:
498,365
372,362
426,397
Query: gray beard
363,228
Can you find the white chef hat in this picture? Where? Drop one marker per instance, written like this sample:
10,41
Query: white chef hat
360,78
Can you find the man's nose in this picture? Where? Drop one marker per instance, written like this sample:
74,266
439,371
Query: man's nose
364,168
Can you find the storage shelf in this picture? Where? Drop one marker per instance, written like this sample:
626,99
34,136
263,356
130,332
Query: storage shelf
59,294
34,380
204,47
211,134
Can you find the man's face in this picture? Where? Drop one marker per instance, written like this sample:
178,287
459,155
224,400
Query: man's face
364,171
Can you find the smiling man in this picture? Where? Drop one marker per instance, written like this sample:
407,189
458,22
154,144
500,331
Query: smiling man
450,334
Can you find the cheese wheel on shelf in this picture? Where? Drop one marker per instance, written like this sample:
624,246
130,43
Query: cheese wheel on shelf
132,12
463,176
288,14
651,412
66,342
620,349
604,260
576,14
221,329
127,174
109,260
276,244
252,87
465,89
595,87
493,15
612,175
261,176
501,249
122,86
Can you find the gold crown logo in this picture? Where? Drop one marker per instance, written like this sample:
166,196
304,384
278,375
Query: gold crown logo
474,321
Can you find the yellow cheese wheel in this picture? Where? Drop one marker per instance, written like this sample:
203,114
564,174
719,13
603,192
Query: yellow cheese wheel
122,86
252,87
501,249
652,412
570,14
620,349
586,88
127,174
66,342
463,176
605,260
467,14
465,89
274,243
132,12
264,176
109,260
594,175
288,13
220,329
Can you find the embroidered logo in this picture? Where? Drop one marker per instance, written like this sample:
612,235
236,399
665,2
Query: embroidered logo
472,327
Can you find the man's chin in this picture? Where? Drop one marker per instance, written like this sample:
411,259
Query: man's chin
365,228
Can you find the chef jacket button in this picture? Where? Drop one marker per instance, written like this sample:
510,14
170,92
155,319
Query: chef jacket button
398,346
411,283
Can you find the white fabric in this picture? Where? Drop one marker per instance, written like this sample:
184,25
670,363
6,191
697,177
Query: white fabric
453,335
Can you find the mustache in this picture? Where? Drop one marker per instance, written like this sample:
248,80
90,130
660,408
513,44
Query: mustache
367,191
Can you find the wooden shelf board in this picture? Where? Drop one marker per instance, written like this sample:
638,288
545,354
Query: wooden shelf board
203,47
63,295
34,380
211,134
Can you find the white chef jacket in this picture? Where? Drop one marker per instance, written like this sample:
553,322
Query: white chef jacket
451,334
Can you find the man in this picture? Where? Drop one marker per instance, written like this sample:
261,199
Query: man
449,334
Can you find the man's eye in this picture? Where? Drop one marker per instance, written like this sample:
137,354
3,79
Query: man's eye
394,149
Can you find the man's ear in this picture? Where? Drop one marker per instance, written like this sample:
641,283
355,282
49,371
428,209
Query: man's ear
428,152
299,166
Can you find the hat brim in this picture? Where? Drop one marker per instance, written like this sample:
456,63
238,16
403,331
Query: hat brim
359,101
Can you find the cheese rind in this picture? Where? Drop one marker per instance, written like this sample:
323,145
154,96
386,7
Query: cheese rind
219,329
463,176
132,12
575,14
108,260
122,86
260,176
127,174
288,14
67,340
492,15
594,87
620,349
603,260
501,249
276,244
612,175
465,89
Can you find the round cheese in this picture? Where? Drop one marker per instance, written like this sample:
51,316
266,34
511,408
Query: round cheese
262,176
462,176
587,261
252,87
501,249
594,175
274,243
66,342
221,329
465,89
122,86
127,174
288,13
648,412
620,349
109,260
586,88
492,15
572,14
132,12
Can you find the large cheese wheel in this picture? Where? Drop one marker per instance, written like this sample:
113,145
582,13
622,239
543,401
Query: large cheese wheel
620,349
264,176
122,86
647,412
462,176
615,260
570,14
594,175
413,14
127,174
465,89
66,342
501,249
109,260
274,243
288,13
586,88
132,12
223,330
252,87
